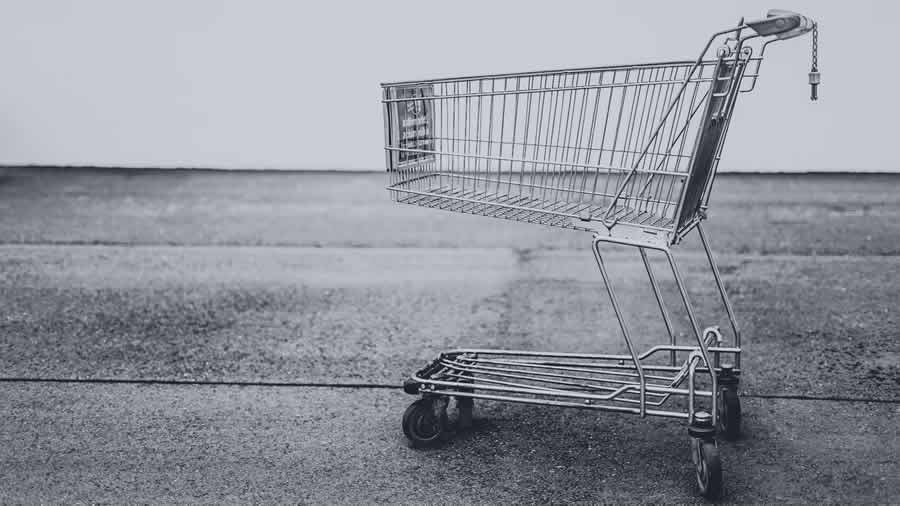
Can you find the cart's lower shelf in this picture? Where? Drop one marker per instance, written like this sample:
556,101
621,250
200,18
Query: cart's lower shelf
607,382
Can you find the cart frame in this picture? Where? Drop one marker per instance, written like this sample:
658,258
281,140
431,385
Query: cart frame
661,178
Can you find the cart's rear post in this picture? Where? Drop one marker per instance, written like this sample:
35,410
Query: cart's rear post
628,153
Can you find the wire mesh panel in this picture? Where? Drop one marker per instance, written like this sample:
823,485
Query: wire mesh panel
558,148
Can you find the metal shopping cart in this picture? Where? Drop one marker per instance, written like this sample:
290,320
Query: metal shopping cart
628,153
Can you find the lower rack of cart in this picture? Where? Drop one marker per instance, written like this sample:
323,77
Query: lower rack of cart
662,382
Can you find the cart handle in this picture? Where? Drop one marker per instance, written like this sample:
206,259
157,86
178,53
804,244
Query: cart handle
782,24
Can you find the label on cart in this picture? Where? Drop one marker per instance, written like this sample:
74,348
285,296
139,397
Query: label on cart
414,127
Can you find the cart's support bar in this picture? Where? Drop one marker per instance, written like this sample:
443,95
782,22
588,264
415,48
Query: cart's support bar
619,316
704,351
725,301
587,356
661,303
548,402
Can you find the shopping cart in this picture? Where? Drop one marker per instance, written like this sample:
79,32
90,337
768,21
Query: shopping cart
628,153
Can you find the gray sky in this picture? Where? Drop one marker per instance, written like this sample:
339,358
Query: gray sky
295,85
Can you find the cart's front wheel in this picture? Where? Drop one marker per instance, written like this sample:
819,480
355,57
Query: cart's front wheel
425,423
730,414
708,467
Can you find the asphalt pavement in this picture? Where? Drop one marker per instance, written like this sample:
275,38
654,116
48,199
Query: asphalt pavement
236,337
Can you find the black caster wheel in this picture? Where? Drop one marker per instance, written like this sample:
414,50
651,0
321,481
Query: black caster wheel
730,414
465,405
708,468
425,423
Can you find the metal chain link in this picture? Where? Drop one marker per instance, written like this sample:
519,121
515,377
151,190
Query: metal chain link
814,76
815,47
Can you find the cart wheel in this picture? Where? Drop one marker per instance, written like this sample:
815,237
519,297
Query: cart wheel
730,414
466,407
425,423
708,467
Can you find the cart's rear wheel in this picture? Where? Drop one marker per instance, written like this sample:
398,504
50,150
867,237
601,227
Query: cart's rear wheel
425,423
708,467
465,405
730,414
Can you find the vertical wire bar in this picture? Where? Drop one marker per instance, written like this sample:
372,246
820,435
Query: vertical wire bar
696,327
725,300
386,112
445,123
553,142
630,120
490,137
636,97
525,134
512,147
590,140
662,306
616,132
575,146
581,143
549,143
675,132
566,130
477,139
438,134
610,93
638,136
502,132
542,96
465,136
618,310
643,121
548,138
415,166
644,116
638,132
418,164
454,134
559,141
546,96
560,149
565,169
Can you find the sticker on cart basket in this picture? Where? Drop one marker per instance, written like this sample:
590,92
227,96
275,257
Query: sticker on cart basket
415,130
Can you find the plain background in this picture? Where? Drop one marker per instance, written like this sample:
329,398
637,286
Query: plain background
295,85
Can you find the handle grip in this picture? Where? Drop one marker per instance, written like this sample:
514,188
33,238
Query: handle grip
782,24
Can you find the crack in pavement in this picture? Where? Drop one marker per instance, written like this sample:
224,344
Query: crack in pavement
363,386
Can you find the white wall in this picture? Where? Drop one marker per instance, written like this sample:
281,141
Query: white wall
287,84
